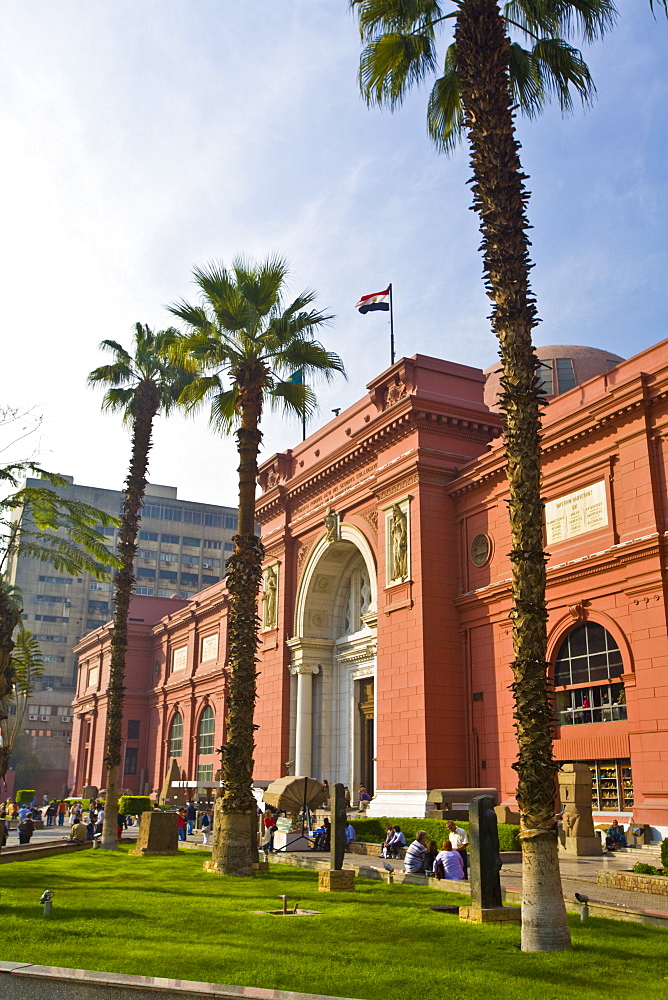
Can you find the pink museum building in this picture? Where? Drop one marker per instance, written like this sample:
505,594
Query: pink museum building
386,631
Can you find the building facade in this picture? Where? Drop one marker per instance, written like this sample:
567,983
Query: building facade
182,547
386,609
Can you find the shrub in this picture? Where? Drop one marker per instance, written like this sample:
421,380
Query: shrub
372,831
133,805
664,852
24,796
640,868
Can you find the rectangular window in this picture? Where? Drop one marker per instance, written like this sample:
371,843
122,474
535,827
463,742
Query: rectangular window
611,785
190,579
213,520
180,658
170,539
145,573
604,703
41,637
204,773
148,536
192,542
151,510
163,592
98,606
146,554
171,513
212,543
93,623
130,766
49,599
209,563
144,591
55,579
565,374
192,516
169,557
189,562
98,585
109,530
208,581
231,522
209,648
229,547
133,729
544,374
166,574
53,659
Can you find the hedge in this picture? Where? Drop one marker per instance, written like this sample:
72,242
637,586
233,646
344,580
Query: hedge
664,852
372,831
24,796
133,805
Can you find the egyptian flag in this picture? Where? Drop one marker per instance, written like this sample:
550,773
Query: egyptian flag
377,301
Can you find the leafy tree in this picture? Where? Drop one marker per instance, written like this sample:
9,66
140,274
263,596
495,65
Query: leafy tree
485,76
140,386
247,342
27,668
37,522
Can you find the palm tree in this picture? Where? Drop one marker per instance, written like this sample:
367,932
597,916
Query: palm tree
247,342
485,76
37,522
27,667
140,386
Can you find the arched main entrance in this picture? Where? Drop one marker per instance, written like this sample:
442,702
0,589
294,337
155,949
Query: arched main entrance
333,663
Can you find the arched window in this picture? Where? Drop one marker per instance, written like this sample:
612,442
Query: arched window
587,665
176,736
207,724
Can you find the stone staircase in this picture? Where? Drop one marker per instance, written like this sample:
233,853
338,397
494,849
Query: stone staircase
649,853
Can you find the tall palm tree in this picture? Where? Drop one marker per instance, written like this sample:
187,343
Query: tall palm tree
141,385
39,523
485,76
248,342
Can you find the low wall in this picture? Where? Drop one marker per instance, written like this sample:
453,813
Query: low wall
656,884
32,852
42,982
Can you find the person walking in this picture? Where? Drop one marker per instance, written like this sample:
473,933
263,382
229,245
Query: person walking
62,809
191,818
207,825
181,821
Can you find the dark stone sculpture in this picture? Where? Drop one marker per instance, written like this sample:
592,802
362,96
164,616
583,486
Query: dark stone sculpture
339,823
484,856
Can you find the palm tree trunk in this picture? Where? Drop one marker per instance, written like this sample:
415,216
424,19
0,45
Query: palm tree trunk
232,852
499,199
145,408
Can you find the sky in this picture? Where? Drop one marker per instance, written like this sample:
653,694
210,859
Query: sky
144,137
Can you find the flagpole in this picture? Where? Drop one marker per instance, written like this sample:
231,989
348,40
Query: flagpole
391,328
303,427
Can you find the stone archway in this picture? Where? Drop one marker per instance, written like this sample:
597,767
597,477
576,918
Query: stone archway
333,661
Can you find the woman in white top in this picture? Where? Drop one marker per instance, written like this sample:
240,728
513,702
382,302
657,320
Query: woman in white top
451,861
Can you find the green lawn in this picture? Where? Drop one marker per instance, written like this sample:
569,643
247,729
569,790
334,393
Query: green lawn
165,917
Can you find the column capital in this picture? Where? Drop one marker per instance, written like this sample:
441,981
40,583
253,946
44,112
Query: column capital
305,668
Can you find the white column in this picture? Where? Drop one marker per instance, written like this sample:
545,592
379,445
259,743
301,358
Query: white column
303,748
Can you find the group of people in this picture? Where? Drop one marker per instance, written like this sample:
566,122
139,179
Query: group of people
186,819
423,857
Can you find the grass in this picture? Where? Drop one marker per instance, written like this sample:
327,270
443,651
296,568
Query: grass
166,917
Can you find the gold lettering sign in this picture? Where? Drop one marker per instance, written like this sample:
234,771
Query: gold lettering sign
576,514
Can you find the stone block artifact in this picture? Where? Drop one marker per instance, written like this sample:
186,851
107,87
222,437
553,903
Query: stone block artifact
484,855
339,823
158,834
579,836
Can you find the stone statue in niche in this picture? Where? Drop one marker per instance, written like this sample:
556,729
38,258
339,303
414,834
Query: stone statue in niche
269,597
399,543
332,525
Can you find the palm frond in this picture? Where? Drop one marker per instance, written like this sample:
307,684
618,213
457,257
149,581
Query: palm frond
293,399
561,68
663,3
118,349
312,357
224,414
392,63
377,16
197,391
27,662
445,115
586,19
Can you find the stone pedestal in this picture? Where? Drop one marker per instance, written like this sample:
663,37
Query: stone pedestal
490,915
582,847
336,881
158,834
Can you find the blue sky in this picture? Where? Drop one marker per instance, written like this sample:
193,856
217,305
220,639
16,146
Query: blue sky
142,137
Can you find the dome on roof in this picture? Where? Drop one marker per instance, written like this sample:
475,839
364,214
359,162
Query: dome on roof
564,366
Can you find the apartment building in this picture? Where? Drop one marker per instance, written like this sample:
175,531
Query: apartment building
182,549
